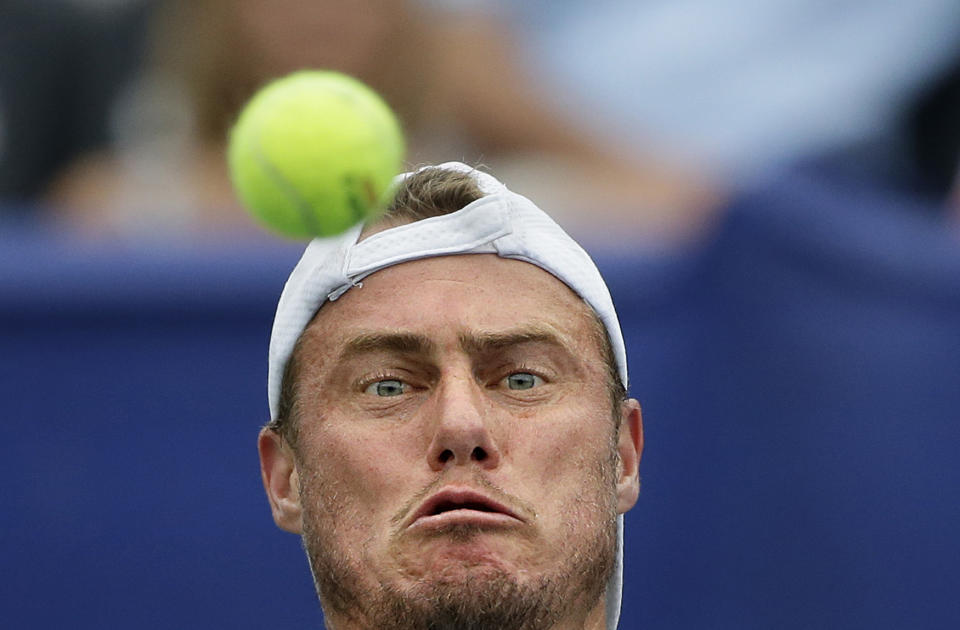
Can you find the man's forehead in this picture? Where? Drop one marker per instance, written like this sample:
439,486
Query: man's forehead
478,299
477,341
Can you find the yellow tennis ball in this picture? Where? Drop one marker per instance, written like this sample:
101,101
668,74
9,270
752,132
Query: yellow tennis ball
314,153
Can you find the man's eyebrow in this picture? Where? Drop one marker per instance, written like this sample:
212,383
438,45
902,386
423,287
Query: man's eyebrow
406,343
479,343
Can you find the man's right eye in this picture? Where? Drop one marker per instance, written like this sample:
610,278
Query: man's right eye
386,387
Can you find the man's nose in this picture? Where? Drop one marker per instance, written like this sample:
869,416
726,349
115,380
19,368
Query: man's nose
461,425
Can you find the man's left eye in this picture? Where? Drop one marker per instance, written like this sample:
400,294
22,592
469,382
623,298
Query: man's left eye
523,380
387,387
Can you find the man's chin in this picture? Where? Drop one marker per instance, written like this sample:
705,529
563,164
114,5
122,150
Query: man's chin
469,595
464,553
458,577
466,568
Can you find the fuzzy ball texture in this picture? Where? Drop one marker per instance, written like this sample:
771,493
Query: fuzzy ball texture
314,153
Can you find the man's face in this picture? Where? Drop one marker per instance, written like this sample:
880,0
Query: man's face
456,444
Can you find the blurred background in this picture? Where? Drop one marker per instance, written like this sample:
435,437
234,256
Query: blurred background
769,186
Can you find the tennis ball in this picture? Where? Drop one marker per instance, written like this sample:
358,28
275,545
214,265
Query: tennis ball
314,153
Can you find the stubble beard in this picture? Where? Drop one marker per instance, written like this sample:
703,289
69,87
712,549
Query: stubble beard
487,598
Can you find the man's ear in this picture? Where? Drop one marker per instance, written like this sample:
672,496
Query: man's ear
279,471
630,448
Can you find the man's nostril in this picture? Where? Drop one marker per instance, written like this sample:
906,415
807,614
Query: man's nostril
446,456
478,454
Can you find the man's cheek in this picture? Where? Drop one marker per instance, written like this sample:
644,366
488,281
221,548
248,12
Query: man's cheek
374,477
570,448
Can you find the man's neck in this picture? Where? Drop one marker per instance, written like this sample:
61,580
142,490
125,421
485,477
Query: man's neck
592,619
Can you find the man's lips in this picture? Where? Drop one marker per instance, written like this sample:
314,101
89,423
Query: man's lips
462,506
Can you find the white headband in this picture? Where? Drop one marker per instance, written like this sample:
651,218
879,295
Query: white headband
502,222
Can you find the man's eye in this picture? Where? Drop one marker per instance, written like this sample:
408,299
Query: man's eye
523,380
388,387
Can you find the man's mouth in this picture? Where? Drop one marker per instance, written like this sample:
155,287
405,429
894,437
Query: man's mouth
462,506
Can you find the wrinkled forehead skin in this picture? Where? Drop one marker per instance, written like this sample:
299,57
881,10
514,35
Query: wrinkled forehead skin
516,298
502,223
